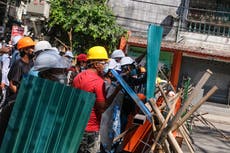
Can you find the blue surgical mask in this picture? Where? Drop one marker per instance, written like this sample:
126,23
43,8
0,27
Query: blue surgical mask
133,72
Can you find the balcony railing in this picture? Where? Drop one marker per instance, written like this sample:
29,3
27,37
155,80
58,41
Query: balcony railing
208,28
208,22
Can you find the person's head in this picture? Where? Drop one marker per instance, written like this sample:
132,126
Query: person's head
117,55
51,66
97,58
112,65
69,56
26,47
82,61
41,46
127,65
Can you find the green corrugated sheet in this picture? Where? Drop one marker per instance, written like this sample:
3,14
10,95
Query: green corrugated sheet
47,117
153,53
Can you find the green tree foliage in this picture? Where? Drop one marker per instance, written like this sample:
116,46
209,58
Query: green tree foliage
87,22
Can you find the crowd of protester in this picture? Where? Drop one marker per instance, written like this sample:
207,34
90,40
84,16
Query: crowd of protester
89,71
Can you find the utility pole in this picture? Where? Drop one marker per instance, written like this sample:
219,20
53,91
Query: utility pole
6,17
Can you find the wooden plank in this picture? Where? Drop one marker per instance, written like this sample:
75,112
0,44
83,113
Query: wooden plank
153,53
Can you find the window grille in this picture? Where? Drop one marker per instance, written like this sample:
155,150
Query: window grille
209,17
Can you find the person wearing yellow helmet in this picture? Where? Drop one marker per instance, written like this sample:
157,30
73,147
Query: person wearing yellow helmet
91,80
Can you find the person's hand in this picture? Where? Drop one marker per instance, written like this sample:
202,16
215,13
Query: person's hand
5,49
2,86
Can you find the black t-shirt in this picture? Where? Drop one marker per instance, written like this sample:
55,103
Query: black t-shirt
19,70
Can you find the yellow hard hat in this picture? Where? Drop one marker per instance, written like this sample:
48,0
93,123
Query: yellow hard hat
97,53
159,80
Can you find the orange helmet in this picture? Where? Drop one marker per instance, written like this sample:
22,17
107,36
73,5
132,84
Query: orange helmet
25,42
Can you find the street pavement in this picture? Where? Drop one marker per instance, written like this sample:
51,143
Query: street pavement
208,138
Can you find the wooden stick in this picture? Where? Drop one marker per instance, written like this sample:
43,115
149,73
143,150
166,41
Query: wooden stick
210,123
194,108
186,132
124,133
166,147
63,44
165,97
187,140
171,99
163,126
199,85
171,139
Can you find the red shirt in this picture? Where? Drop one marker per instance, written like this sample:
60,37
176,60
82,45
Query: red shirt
89,81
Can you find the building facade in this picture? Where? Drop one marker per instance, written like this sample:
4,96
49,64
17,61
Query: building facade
196,37
30,15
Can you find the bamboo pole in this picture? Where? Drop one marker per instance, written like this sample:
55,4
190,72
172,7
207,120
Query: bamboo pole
187,140
166,147
199,85
63,44
124,133
171,139
164,95
209,123
194,108
183,133
170,100
163,126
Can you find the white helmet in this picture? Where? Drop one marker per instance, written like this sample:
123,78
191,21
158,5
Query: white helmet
117,54
49,59
114,65
15,39
69,54
42,45
55,49
126,61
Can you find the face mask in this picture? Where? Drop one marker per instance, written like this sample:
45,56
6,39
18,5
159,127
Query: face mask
106,69
22,53
133,72
82,68
31,56
61,78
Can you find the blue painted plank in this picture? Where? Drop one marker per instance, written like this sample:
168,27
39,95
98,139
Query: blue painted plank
153,53
133,95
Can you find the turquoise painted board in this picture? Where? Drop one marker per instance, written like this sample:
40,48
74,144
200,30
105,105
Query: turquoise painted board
153,53
47,117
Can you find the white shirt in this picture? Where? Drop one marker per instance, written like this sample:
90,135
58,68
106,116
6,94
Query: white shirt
5,68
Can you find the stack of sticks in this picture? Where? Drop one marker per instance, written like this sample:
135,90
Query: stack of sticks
163,140
166,121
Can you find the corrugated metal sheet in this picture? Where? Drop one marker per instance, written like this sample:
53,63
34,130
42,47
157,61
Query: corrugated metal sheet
47,117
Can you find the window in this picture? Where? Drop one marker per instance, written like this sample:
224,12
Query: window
209,16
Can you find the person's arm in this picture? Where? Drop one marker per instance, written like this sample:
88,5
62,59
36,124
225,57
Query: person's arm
109,99
5,70
14,77
13,87
100,104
